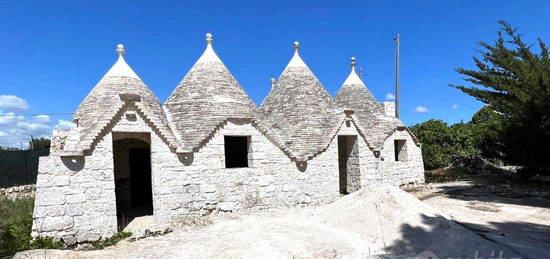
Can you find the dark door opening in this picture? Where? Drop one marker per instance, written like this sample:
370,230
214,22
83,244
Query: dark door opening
140,178
133,184
348,164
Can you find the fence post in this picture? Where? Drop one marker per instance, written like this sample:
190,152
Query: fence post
26,168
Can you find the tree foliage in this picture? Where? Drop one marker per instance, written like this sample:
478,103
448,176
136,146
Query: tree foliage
514,81
488,133
39,143
440,142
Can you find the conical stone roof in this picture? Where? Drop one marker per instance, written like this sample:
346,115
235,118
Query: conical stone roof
355,95
300,110
104,102
206,97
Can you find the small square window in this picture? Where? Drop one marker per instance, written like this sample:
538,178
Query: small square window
400,146
236,151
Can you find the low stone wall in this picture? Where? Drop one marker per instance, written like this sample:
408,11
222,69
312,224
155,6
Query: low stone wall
18,192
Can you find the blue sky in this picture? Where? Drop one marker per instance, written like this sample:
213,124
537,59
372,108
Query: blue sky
54,52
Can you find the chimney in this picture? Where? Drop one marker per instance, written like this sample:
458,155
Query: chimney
389,108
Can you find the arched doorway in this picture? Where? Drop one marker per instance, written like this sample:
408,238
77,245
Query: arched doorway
133,183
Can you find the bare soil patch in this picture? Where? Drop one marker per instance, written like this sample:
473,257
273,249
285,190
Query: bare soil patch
501,208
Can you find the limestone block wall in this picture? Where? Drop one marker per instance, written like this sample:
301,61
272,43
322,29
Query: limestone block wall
75,198
76,201
401,172
18,192
198,183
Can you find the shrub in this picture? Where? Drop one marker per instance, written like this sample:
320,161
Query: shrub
440,142
15,227
111,241
149,233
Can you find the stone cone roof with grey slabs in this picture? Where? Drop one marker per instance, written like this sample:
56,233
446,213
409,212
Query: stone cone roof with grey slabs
207,96
300,110
105,101
355,95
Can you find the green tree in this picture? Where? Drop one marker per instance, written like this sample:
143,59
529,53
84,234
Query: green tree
488,127
435,137
515,82
39,143
463,139
441,142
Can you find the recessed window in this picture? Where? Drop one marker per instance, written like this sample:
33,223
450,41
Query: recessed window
400,146
236,151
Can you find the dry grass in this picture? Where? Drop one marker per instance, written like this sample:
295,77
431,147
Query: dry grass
447,174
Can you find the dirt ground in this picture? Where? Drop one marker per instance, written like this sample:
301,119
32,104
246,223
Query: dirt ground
507,211
458,219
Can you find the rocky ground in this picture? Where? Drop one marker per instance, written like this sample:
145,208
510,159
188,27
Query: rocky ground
461,219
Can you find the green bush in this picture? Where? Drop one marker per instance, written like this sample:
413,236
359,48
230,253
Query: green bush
15,227
113,240
149,233
440,142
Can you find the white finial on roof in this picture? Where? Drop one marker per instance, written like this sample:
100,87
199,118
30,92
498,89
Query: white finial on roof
209,38
296,61
353,78
120,50
209,55
121,68
272,82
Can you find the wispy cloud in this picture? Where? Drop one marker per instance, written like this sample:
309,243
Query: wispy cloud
17,129
42,118
454,106
64,125
421,108
13,103
390,97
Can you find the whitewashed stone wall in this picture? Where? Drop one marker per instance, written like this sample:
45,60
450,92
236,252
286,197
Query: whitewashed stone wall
75,198
76,202
200,183
401,172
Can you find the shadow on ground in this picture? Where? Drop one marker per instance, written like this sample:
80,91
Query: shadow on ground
426,243
501,188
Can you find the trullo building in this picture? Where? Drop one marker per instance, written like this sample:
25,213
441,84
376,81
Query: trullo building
209,148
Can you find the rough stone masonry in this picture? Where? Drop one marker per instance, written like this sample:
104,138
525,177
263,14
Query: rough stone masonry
209,148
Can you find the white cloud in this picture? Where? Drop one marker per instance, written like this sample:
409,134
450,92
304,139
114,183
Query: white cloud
454,106
32,126
390,97
16,130
42,118
13,103
64,125
421,108
10,118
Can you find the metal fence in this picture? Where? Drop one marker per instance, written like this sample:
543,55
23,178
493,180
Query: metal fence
19,167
